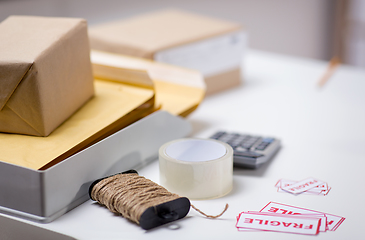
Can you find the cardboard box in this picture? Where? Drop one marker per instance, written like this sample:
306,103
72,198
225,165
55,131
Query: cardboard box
211,46
45,72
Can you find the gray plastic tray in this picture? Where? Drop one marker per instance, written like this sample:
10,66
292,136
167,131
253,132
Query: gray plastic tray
43,196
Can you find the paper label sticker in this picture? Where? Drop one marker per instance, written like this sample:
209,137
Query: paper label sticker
328,222
331,223
284,209
321,189
302,186
279,223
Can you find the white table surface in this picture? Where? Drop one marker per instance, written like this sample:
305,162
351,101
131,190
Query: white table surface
323,136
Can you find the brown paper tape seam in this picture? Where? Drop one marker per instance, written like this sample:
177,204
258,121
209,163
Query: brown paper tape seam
9,92
29,124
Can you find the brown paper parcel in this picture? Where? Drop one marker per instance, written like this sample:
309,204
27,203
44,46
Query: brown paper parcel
45,72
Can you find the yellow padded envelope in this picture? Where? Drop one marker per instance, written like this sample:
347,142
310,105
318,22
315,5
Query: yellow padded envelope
178,90
114,106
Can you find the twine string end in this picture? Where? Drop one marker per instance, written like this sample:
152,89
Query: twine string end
210,216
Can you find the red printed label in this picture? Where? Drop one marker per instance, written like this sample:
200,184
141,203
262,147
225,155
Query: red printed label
279,223
302,186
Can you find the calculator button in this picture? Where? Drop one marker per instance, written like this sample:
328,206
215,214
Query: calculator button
262,146
217,135
254,139
247,154
240,149
247,145
230,136
234,144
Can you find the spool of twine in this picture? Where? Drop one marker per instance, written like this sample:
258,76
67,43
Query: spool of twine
131,195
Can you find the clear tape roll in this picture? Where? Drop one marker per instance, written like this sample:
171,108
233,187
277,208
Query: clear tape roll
196,168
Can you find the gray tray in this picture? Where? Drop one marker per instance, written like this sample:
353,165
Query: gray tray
43,196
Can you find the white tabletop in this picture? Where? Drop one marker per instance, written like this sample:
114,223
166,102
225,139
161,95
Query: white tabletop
322,133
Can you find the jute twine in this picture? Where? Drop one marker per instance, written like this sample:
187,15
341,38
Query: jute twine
130,195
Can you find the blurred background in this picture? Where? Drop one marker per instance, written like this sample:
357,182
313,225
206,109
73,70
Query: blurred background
318,29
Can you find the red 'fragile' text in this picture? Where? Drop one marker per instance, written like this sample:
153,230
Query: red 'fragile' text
277,223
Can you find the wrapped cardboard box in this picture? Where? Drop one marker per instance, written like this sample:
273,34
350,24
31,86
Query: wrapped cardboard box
45,72
212,46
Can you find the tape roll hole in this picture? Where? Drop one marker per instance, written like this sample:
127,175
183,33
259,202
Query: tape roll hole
196,150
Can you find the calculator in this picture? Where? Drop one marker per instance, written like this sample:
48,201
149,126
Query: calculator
249,151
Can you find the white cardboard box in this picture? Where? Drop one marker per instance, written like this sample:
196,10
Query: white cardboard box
215,47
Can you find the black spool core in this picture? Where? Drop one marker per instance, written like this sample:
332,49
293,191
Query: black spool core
157,215
164,213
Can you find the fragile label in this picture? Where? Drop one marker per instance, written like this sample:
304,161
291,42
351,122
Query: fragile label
279,223
302,186
331,222
279,217
322,189
283,209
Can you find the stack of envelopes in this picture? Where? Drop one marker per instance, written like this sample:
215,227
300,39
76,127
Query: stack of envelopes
126,89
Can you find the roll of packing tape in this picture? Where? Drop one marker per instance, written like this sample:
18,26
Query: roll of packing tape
196,168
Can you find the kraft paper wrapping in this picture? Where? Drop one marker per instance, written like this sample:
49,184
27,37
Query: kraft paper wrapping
178,90
45,72
104,113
